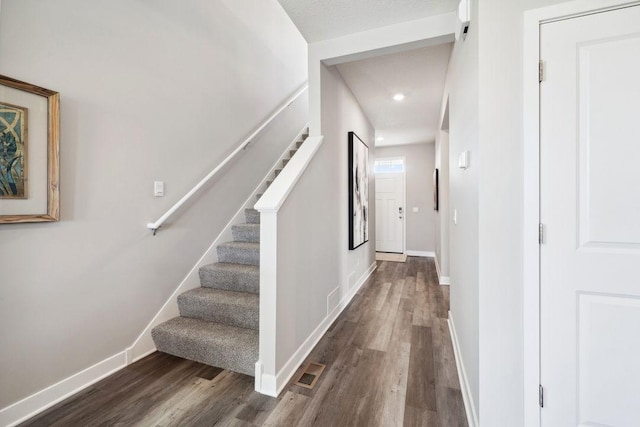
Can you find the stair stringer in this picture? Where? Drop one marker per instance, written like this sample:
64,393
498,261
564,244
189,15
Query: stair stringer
144,345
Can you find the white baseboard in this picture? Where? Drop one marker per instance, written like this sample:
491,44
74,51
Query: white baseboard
469,406
344,302
273,385
443,280
32,405
426,254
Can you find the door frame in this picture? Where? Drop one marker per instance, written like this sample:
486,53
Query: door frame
531,185
404,196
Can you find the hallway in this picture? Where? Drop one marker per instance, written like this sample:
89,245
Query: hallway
389,362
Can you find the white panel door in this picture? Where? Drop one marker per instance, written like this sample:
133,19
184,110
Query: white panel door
590,208
390,212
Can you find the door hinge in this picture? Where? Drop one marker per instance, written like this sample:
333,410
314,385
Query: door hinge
541,396
540,71
541,233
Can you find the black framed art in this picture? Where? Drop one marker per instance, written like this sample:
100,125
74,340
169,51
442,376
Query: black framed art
436,190
358,191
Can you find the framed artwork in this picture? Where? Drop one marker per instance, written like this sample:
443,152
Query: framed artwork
358,191
13,151
29,152
436,190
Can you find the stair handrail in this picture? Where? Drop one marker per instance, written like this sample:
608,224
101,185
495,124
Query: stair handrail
274,197
155,226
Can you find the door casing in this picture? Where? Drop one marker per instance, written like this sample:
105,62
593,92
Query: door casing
531,188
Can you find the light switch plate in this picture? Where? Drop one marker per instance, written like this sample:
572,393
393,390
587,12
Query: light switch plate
158,188
455,216
416,209
463,160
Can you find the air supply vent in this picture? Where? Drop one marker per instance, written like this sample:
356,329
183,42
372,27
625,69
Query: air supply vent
309,377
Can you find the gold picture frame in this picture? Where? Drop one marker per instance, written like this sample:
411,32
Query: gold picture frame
19,134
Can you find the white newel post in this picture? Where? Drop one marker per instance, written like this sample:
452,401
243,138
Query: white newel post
266,366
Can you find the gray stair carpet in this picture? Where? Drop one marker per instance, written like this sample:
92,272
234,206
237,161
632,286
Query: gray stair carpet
216,305
215,344
246,233
252,216
231,277
219,321
239,252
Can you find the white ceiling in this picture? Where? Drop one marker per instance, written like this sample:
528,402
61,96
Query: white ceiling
419,74
326,19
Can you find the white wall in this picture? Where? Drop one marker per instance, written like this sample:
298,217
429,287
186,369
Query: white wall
442,217
485,117
150,91
420,162
461,89
501,210
308,265
341,113
315,272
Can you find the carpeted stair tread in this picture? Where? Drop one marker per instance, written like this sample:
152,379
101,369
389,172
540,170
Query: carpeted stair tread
246,232
292,152
239,252
227,307
215,344
277,171
252,216
299,143
231,277
284,162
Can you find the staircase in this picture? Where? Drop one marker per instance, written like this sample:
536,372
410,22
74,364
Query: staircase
219,321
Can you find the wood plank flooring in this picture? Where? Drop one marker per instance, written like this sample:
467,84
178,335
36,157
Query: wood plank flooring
389,363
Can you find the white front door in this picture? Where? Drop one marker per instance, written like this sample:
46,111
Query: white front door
389,212
590,211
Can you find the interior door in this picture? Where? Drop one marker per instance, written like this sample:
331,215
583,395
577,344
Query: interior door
590,211
390,212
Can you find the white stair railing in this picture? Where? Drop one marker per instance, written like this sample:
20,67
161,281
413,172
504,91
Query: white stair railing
154,226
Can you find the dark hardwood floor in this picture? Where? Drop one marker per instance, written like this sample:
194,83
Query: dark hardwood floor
389,363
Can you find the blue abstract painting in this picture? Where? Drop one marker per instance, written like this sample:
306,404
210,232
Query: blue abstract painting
13,152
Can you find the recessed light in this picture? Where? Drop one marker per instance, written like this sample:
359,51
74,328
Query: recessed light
398,96
380,138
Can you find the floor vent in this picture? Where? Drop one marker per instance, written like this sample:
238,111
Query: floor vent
309,377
